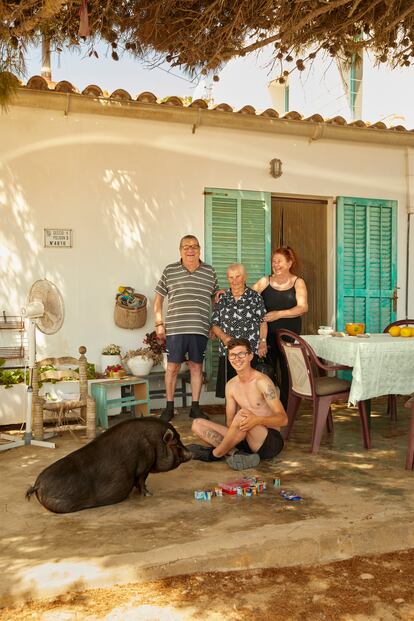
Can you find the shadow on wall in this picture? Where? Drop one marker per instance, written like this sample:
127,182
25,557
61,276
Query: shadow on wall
126,220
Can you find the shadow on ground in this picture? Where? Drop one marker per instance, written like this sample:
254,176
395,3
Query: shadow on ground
355,502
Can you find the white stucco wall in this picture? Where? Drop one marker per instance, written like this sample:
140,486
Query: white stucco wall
130,189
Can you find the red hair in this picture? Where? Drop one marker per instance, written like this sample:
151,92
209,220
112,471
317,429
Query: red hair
290,255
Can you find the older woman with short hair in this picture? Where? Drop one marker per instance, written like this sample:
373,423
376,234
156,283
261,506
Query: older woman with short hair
239,313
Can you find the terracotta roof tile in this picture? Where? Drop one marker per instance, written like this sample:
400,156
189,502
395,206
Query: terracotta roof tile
146,97
397,128
315,118
292,116
38,82
65,87
199,103
247,110
173,101
92,91
336,120
378,125
121,95
223,107
270,113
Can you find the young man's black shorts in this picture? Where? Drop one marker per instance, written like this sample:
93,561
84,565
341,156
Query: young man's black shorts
271,447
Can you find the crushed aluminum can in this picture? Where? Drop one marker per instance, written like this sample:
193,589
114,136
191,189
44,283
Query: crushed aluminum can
289,495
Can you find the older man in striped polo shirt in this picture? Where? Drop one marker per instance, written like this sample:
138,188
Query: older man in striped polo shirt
189,285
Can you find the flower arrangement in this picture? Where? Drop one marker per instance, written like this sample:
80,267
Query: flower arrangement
154,350
115,370
111,350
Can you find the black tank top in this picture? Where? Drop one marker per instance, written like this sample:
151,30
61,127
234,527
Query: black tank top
281,300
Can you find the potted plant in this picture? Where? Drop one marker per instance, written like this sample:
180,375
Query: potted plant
141,360
116,371
110,356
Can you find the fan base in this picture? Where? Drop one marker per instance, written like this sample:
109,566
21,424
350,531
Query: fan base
27,439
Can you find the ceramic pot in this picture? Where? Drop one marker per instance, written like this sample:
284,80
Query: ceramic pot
117,374
139,365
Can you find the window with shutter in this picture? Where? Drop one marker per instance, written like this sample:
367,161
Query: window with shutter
366,261
237,230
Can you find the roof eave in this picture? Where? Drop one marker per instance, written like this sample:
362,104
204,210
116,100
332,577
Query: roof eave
69,103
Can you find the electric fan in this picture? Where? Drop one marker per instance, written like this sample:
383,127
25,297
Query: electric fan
45,311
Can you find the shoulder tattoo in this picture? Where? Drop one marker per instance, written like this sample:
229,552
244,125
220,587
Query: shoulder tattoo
270,392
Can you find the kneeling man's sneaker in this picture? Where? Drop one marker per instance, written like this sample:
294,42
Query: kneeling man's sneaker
242,461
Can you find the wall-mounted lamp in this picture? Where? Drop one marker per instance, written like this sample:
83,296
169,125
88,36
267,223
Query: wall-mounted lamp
276,168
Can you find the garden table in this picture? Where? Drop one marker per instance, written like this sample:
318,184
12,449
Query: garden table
381,364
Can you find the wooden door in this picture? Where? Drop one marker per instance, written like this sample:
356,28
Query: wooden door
302,225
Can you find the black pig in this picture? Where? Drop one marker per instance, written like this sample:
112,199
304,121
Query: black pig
105,471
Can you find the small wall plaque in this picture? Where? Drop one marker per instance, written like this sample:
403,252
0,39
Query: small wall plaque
58,238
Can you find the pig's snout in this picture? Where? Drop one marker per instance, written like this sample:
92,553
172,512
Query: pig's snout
174,453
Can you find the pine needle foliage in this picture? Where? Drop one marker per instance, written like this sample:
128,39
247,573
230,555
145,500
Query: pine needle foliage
201,35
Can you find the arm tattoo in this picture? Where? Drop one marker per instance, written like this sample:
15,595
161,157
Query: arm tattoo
270,393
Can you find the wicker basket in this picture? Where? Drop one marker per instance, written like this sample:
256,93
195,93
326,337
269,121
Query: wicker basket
131,318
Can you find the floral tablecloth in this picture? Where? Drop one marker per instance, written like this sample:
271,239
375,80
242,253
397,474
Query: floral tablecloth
381,364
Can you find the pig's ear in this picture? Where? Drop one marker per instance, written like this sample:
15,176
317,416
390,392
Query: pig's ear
168,436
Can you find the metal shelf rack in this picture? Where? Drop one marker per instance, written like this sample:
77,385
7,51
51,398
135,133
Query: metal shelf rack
15,325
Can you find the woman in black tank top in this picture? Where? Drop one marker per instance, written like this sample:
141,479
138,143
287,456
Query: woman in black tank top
285,298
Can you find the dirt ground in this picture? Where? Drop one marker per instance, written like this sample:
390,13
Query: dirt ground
376,588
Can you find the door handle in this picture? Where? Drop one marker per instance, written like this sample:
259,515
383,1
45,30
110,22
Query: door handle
394,299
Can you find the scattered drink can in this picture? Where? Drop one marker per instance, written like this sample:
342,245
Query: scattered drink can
289,495
276,482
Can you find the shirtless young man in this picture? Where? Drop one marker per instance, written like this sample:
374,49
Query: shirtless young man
253,417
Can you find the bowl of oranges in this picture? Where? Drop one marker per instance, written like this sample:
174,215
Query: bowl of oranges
405,331
353,329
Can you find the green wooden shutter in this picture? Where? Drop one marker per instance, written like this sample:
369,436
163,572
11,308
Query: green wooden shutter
366,261
237,230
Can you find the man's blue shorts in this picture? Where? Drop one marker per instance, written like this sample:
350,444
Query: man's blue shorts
179,345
